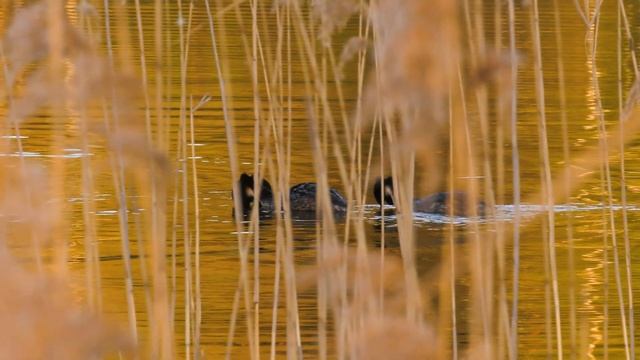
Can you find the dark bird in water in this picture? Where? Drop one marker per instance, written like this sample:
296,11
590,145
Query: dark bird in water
437,203
302,197
248,195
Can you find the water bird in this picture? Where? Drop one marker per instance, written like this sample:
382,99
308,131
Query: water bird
437,203
302,197
248,194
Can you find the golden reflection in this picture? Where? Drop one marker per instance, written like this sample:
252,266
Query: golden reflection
591,289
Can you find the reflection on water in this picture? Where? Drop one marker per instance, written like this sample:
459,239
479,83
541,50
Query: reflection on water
591,290
500,213
219,248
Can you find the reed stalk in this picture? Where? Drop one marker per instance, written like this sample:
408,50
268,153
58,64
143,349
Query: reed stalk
485,258
451,239
220,64
605,272
183,42
400,162
293,324
623,189
174,243
629,36
118,168
607,184
196,205
88,211
480,321
186,231
161,335
257,108
143,70
547,191
515,165
92,257
566,156
55,16
504,345
276,111
14,123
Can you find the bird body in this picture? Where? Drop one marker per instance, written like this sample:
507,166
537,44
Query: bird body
248,194
442,203
302,197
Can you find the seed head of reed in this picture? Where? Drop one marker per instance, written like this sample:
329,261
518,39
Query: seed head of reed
370,281
38,90
90,78
24,202
40,320
27,39
95,81
632,99
333,16
394,338
93,78
350,49
417,44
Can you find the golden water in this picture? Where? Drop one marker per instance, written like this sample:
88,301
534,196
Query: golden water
219,249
